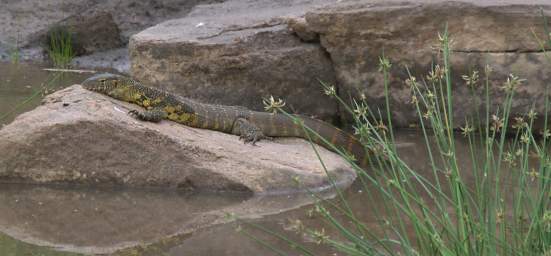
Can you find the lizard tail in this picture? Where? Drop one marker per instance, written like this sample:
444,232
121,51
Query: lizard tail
279,125
337,137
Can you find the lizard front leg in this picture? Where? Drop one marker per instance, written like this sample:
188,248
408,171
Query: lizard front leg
153,115
248,131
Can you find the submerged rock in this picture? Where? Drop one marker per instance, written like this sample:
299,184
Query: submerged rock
80,137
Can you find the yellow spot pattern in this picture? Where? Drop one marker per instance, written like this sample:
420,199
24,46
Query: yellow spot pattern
170,109
157,101
173,116
194,120
184,118
146,103
136,97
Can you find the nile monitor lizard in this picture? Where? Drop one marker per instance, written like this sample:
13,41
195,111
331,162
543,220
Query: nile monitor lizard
250,125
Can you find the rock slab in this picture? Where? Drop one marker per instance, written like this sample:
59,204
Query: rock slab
500,34
80,137
237,52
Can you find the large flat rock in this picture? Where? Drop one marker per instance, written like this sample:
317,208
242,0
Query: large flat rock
236,53
495,33
80,137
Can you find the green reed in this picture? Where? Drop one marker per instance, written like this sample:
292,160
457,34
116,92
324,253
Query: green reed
507,211
60,47
14,51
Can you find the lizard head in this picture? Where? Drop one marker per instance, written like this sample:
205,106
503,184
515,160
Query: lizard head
104,83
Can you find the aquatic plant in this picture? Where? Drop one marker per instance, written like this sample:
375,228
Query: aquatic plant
13,51
507,211
60,47
12,247
47,87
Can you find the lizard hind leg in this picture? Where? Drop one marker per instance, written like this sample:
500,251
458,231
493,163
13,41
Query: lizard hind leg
248,131
153,115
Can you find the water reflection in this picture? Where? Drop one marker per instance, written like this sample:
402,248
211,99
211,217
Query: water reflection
23,85
100,220
366,201
104,220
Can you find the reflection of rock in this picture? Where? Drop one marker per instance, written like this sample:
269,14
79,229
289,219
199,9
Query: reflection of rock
102,221
81,137
237,57
369,206
88,220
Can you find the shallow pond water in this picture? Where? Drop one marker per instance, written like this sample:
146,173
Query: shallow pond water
51,220
23,85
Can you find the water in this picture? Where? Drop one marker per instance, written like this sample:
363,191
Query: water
23,85
102,220
50,220
59,220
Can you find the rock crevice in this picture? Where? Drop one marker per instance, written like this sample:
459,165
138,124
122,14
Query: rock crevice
482,32
242,28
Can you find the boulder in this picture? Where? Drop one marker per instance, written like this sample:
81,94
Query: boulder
497,33
25,22
236,53
89,33
115,59
221,54
80,137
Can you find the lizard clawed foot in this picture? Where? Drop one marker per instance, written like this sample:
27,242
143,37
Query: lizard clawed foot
133,113
249,132
253,138
154,115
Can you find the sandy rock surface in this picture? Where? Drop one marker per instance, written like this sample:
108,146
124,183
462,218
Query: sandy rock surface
80,137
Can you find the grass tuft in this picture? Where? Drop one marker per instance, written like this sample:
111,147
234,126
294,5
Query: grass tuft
14,52
507,211
60,48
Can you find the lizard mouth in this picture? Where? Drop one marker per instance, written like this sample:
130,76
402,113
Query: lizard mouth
99,82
